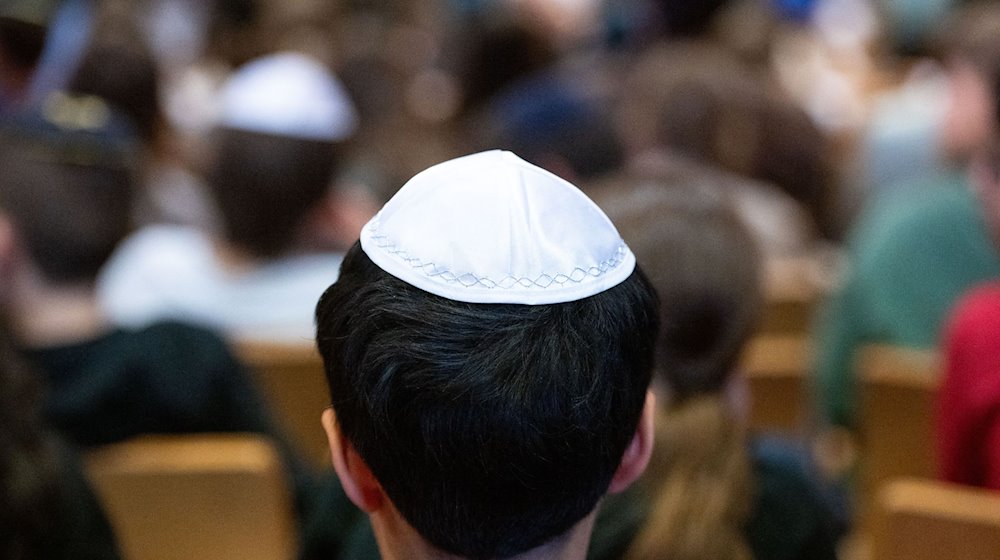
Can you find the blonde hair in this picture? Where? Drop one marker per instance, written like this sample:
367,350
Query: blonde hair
703,486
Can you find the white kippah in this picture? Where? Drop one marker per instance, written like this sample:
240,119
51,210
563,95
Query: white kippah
493,228
287,94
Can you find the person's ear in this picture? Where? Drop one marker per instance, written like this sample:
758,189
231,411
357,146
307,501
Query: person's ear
357,480
6,236
636,457
8,248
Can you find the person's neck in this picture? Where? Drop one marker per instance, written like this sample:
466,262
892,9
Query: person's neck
44,314
397,540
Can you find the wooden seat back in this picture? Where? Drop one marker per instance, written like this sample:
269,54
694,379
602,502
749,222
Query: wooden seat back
294,385
775,368
224,497
922,519
898,388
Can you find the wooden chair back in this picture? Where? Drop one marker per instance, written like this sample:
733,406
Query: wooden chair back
922,519
224,497
775,368
294,385
793,292
778,359
898,388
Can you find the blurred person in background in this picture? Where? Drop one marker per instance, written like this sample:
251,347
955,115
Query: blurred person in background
118,68
275,155
67,178
968,405
910,256
713,490
550,113
66,185
49,511
697,99
931,122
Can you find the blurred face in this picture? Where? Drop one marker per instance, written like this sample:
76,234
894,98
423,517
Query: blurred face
969,113
565,21
985,179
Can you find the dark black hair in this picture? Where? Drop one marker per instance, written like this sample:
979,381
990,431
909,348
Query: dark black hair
67,179
21,42
498,54
493,428
123,72
684,18
264,186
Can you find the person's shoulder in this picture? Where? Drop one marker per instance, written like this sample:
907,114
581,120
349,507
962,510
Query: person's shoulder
157,254
178,334
975,317
983,299
790,513
169,237
930,199
921,227
160,271
170,345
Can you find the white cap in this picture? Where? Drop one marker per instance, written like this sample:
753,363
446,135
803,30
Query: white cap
287,94
493,228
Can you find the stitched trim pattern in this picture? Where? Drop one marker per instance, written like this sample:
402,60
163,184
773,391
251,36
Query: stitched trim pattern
469,280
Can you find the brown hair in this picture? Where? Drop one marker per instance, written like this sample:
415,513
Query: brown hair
703,486
703,102
706,268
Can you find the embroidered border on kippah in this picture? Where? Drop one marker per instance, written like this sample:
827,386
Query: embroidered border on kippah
469,280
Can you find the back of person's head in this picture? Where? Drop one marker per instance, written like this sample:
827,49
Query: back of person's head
66,184
264,186
705,265
703,102
555,123
275,149
700,257
120,69
680,18
234,31
499,53
494,427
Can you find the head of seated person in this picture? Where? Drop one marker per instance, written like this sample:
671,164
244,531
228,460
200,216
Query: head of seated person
66,187
66,191
704,483
283,121
488,347
700,255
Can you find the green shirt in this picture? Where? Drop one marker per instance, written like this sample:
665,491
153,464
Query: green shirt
909,259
